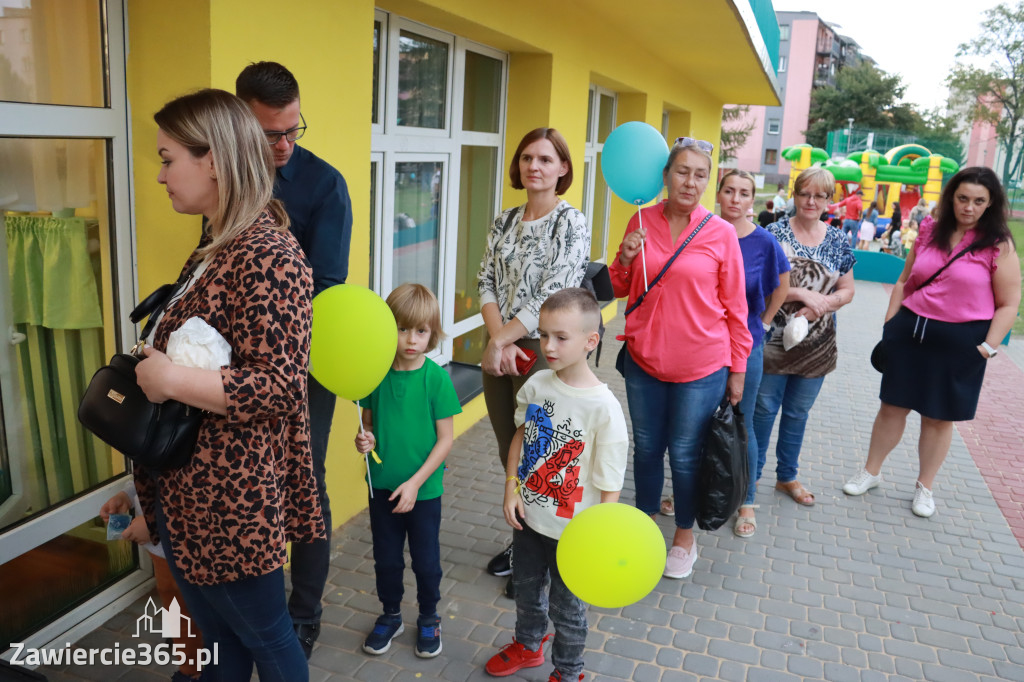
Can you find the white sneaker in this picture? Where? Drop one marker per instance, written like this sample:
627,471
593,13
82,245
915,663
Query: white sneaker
679,563
924,504
861,483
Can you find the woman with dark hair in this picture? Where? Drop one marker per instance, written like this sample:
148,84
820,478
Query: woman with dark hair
687,340
940,330
533,250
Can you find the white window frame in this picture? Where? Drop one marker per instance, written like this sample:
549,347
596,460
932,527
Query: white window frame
395,27
784,30
774,127
382,17
783,63
391,144
110,123
590,152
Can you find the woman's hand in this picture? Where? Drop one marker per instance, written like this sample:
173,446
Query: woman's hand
501,361
155,375
365,441
631,245
734,387
815,303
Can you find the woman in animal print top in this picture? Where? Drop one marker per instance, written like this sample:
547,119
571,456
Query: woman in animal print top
225,517
821,282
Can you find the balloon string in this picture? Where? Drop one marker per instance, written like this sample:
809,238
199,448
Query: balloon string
366,455
643,255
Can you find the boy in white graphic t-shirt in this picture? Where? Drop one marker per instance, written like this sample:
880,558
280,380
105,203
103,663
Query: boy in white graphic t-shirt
569,453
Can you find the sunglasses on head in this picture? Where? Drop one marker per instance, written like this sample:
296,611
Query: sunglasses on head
703,145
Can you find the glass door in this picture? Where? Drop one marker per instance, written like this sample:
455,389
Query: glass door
67,273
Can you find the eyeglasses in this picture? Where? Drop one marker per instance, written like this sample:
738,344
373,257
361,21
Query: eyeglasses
703,145
816,197
274,136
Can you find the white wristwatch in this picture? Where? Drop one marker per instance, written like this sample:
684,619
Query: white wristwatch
989,349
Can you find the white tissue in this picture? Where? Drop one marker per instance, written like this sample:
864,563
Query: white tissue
197,344
795,332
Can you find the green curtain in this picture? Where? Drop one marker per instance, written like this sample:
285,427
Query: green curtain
56,304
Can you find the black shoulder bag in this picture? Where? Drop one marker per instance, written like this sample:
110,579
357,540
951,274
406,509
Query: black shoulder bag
620,360
878,354
157,436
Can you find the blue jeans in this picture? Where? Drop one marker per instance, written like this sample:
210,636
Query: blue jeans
533,571
310,561
246,619
795,395
850,229
672,416
755,368
422,525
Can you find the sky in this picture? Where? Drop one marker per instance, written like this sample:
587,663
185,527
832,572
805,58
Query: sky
914,38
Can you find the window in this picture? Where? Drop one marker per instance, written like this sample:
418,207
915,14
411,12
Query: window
65,209
771,157
436,165
601,105
783,61
784,32
773,127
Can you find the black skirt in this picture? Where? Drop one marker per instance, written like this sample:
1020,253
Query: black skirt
933,367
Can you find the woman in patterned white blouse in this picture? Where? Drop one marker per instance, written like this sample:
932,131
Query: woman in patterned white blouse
532,251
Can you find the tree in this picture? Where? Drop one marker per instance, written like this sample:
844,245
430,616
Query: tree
941,135
735,131
871,97
996,93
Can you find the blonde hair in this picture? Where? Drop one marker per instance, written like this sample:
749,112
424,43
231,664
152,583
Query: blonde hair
737,173
217,122
818,178
414,305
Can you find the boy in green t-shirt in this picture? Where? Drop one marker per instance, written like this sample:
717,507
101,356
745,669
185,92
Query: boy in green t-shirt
408,419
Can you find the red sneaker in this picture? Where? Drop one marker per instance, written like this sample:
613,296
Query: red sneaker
514,657
557,677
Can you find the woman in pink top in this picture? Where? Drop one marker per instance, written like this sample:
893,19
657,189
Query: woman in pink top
939,335
687,341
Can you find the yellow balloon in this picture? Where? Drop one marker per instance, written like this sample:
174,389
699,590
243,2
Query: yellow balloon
354,340
611,555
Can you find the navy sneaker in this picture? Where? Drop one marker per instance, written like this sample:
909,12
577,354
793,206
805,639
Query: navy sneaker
386,629
428,636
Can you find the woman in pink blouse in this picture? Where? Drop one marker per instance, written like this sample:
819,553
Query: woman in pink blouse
939,335
687,340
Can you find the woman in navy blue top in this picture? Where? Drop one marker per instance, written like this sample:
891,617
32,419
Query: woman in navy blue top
767,279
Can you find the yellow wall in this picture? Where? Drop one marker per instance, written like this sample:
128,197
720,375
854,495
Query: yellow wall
188,44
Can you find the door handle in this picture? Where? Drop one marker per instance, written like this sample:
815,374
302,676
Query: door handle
17,337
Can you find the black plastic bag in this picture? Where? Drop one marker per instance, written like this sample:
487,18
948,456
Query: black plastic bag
724,470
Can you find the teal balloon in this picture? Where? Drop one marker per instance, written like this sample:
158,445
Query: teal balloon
632,162
611,555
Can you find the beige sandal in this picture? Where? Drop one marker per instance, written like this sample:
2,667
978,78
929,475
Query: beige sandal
795,490
745,520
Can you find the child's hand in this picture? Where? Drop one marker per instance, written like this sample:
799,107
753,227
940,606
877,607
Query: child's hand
365,441
406,494
137,531
118,504
513,506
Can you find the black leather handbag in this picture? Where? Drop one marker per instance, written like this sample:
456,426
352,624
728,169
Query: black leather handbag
157,436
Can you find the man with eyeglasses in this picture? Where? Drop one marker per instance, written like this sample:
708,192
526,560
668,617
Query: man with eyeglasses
852,206
316,198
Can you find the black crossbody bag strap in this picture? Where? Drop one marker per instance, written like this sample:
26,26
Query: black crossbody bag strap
948,263
155,303
640,298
